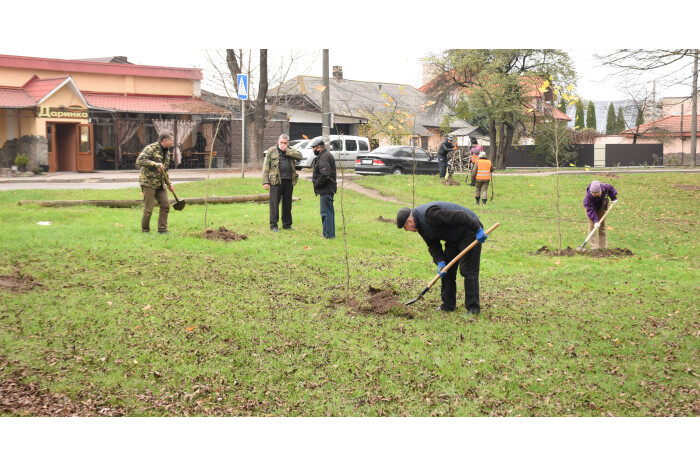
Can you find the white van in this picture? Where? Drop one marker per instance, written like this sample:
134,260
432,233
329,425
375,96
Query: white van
345,150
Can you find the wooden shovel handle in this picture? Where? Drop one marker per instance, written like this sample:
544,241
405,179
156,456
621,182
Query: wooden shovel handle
462,253
599,221
167,180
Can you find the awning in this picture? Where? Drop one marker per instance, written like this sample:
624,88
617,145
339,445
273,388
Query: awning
147,104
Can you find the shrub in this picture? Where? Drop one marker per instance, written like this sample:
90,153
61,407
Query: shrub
36,170
21,160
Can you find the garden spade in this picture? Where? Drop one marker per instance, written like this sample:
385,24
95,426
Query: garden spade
462,253
179,203
595,229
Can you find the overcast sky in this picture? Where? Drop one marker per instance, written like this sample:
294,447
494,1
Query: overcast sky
371,42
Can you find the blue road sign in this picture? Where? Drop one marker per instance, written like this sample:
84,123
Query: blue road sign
242,86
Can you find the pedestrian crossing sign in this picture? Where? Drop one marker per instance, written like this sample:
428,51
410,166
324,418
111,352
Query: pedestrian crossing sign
242,86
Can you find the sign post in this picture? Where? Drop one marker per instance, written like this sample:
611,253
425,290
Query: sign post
243,96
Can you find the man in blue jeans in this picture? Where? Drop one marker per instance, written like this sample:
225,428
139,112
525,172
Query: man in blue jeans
457,226
324,184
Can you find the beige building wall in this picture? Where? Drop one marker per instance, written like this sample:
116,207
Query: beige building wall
11,123
104,83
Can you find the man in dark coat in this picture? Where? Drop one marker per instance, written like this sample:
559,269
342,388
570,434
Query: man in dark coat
457,226
325,184
445,147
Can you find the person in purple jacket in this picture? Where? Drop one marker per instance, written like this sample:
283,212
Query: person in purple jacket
596,204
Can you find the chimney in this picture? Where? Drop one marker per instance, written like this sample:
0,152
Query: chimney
338,72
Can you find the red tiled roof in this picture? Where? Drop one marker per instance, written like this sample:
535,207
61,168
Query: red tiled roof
152,104
39,88
15,98
670,124
80,66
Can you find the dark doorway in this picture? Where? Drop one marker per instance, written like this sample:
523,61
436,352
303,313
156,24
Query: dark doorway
66,149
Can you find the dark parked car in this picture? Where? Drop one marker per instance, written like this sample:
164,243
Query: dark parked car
396,160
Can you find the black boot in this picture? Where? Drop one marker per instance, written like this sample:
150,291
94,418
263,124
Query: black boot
477,201
483,201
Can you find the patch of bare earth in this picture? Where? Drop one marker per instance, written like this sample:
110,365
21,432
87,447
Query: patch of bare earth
451,182
18,282
687,187
223,234
383,219
608,175
30,399
376,302
568,251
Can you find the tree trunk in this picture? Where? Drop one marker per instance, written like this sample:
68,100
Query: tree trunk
694,125
259,118
128,203
494,143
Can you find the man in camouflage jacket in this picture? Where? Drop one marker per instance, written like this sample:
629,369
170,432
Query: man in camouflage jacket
279,176
154,161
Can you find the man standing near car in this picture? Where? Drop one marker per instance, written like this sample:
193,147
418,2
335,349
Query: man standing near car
445,147
324,184
279,176
458,227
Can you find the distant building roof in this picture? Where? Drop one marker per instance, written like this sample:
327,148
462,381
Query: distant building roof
362,98
670,125
87,66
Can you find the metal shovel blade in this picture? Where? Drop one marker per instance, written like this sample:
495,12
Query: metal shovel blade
418,297
180,204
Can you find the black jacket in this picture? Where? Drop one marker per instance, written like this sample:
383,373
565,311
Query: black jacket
445,148
443,221
324,174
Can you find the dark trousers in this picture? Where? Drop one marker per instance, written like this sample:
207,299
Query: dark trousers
282,192
328,216
442,165
469,269
150,196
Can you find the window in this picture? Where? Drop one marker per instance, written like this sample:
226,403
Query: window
84,140
363,145
351,145
336,145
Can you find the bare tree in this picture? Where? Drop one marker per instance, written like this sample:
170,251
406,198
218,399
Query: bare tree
672,62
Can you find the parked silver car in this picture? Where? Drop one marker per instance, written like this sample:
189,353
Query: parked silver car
345,151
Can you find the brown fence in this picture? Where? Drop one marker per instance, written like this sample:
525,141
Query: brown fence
634,154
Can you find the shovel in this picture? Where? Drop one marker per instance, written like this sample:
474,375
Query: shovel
595,229
462,253
179,203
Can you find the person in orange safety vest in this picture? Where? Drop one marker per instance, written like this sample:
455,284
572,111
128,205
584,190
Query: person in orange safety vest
481,174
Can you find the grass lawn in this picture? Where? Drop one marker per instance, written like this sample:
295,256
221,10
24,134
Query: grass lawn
150,325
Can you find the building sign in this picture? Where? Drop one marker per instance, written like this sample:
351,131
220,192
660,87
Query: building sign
72,111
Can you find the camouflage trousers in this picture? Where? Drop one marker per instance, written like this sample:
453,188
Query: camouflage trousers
482,189
150,197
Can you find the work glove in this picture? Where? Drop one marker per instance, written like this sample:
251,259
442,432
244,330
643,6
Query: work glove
614,201
481,236
441,265
596,225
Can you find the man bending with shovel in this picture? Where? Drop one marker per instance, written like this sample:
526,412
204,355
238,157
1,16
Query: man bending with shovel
457,226
596,204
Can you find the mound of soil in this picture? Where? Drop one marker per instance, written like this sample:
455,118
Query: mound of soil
687,187
379,302
18,282
608,175
451,182
388,221
223,234
568,251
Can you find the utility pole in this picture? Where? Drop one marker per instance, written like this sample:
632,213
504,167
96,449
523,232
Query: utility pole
694,121
326,101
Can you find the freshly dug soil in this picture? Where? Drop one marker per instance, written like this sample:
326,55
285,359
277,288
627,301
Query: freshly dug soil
451,182
223,234
687,187
608,175
379,302
568,251
17,282
388,221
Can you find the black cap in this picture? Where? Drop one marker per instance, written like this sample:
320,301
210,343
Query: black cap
317,141
402,216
